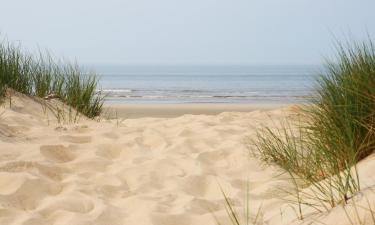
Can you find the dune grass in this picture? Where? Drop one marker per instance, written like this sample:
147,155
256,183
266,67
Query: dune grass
337,131
14,69
44,76
342,123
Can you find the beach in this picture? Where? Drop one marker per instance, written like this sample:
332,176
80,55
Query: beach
187,112
129,171
143,170
132,111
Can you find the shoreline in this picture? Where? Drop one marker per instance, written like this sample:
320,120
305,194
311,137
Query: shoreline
133,111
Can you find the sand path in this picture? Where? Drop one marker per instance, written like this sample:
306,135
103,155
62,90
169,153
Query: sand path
135,171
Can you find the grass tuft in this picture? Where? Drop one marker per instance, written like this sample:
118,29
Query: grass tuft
322,152
43,76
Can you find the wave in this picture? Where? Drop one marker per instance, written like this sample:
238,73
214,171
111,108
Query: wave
117,90
201,95
204,96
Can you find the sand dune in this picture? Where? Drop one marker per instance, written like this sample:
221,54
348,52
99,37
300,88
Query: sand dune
137,171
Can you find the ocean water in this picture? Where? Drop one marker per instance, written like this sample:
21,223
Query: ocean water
207,84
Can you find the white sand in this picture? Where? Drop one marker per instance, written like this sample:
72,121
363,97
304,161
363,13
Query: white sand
139,171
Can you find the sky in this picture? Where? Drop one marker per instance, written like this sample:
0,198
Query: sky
187,31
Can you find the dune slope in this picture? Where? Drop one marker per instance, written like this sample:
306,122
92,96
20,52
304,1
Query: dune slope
134,171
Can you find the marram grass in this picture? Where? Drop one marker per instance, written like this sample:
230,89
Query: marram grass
338,130
43,76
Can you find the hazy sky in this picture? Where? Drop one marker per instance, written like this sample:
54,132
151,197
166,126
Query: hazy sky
187,31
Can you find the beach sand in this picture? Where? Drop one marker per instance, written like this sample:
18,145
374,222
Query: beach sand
132,111
162,171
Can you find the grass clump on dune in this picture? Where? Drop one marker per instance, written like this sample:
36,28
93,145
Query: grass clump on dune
15,69
337,132
344,118
79,91
43,76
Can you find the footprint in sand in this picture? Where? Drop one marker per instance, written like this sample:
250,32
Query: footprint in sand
21,192
212,157
17,166
51,172
8,133
108,151
57,153
200,206
202,186
76,139
111,135
165,203
73,203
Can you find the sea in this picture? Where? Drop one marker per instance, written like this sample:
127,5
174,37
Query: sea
177,84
